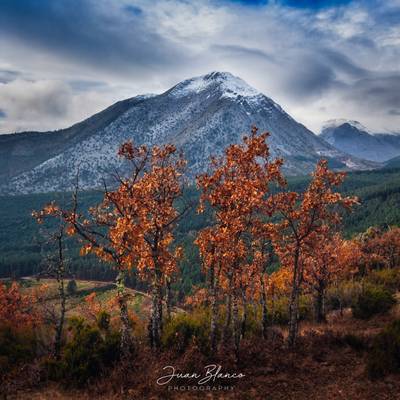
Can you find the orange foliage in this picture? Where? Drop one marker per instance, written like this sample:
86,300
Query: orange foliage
307,218
133,226
236,190
139,216
17,309
381,247
324,266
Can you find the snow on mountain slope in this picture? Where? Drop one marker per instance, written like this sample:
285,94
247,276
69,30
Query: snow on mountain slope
335,123
355,139
201,116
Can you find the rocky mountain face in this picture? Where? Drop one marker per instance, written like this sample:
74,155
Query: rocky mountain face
353,138
201,116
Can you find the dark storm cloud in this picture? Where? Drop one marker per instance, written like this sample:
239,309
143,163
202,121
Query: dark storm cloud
341,62
362,41
381,93
317,71
387,15
241,51
314,4
133,9
312,78
82,85
97,33
8,75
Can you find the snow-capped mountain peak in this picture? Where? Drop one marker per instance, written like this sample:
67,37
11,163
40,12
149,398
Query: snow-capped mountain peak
226,83
334,123
354,138
202,116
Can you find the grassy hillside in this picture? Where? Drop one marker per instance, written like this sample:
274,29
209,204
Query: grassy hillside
378,190
138,302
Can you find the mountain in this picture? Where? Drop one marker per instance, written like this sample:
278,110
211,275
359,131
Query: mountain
353,138
201,116
393,162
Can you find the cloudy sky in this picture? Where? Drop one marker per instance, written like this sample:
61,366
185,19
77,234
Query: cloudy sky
63,60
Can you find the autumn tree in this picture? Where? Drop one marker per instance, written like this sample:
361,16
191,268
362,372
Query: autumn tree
236,190
322,267
133,226
389,247
304,217
155,197
18,309
380,247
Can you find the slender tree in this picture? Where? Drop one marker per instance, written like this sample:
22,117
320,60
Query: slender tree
155,196
303,218
133,226
55,266
322,268
236,190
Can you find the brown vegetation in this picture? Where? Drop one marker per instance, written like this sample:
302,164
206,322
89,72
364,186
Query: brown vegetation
289,303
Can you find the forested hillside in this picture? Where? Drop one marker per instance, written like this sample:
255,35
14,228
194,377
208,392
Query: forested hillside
246,258
20,237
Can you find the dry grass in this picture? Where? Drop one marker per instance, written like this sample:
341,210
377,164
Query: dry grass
323,367
138,302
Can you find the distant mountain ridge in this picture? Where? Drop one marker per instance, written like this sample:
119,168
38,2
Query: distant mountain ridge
353,138
393,162
200,115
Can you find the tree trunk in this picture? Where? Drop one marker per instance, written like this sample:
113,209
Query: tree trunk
228,319
214,310
168,297
319,304
125,331
160,309
245,315
150,330
264,319
60,322
294,301
293,317
213,324
60,272
156,312
236,324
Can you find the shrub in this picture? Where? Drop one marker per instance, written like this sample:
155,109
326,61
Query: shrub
389,278
86,354
384,356
16,346
253,327
103,320
355,342
72,287
372,300
280,310
184,329
343,295
82,355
